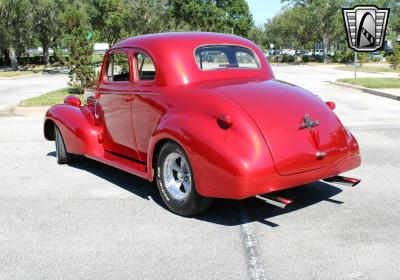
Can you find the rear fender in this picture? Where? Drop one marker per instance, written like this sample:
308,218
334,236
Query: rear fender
77,127
225,163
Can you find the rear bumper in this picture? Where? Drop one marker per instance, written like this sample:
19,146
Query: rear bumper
256,182
285,182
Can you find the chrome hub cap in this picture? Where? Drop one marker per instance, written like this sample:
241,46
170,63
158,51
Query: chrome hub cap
177,176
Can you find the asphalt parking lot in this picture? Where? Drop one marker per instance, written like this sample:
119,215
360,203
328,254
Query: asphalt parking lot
91,221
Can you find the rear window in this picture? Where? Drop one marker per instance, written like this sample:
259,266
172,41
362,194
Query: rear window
225,57
146,70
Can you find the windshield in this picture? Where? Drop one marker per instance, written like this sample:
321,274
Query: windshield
225,57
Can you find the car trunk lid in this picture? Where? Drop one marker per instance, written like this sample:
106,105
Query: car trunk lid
301,131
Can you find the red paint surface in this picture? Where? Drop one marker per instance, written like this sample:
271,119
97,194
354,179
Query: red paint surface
263,149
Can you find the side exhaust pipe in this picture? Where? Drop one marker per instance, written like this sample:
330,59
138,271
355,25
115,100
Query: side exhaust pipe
275,200
347,181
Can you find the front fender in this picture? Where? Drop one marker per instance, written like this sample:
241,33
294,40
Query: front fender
77,127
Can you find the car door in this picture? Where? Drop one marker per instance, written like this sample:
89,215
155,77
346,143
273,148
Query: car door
115,100
145,112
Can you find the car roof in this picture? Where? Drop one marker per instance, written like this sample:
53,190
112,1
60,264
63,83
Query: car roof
183,38
173,55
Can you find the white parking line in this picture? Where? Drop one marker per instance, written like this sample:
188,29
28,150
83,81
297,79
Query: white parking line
254,263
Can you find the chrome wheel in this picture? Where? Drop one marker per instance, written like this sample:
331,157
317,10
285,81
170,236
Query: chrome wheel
177,176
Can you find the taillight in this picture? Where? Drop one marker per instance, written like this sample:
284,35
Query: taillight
331,104
73,101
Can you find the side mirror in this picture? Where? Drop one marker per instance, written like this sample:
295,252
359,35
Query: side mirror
73,101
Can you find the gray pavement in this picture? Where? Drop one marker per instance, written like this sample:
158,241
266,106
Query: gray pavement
91,221
13,90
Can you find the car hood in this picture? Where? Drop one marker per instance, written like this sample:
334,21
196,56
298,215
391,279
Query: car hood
279,110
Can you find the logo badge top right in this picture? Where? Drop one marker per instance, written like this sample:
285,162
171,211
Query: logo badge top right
365,27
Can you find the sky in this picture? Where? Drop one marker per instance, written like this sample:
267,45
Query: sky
264,9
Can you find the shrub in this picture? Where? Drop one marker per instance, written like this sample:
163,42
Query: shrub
78,60
318,58
76,39
394,59
305,58
362,57
288,58
347,57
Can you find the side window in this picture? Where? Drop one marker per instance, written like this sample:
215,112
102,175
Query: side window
118,67
145,68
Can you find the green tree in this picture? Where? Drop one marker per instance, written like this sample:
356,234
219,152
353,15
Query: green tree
118,19
15,27
228,16
149,16
258,36
76,28
292,26
109,18
238,16
394,19
198,15
325,14
46,24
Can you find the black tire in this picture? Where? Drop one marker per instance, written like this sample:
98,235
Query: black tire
63,157
193,203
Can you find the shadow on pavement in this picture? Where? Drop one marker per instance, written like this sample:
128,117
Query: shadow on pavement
260,211
223,211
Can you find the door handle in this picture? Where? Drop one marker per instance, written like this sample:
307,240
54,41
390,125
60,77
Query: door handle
128,99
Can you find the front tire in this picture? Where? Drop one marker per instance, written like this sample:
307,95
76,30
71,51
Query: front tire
175,182
63,157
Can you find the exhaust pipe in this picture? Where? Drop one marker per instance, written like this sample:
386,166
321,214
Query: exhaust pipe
275,200
347,181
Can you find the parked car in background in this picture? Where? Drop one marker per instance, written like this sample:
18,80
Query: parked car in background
204,118
375,56
288,52
319,52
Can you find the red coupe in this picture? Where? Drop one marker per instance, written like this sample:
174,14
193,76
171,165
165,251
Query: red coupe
203,116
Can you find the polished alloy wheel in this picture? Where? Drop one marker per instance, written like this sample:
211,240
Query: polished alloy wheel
177,176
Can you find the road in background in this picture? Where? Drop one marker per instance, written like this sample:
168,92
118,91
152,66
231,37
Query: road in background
88,220
13,90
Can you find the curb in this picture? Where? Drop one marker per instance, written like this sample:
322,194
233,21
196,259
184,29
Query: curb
367,90
6,111
19,76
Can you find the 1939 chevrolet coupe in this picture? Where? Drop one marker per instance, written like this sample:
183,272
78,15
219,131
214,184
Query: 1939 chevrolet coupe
203,116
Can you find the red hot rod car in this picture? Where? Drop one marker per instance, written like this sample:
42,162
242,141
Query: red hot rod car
203,116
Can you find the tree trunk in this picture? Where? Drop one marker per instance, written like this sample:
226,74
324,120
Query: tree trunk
325,41
45,47
13,58
6,57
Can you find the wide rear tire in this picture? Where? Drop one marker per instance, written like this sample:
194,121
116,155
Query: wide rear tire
175,182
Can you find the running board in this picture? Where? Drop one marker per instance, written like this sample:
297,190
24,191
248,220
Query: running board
275,200
346,181
130,166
